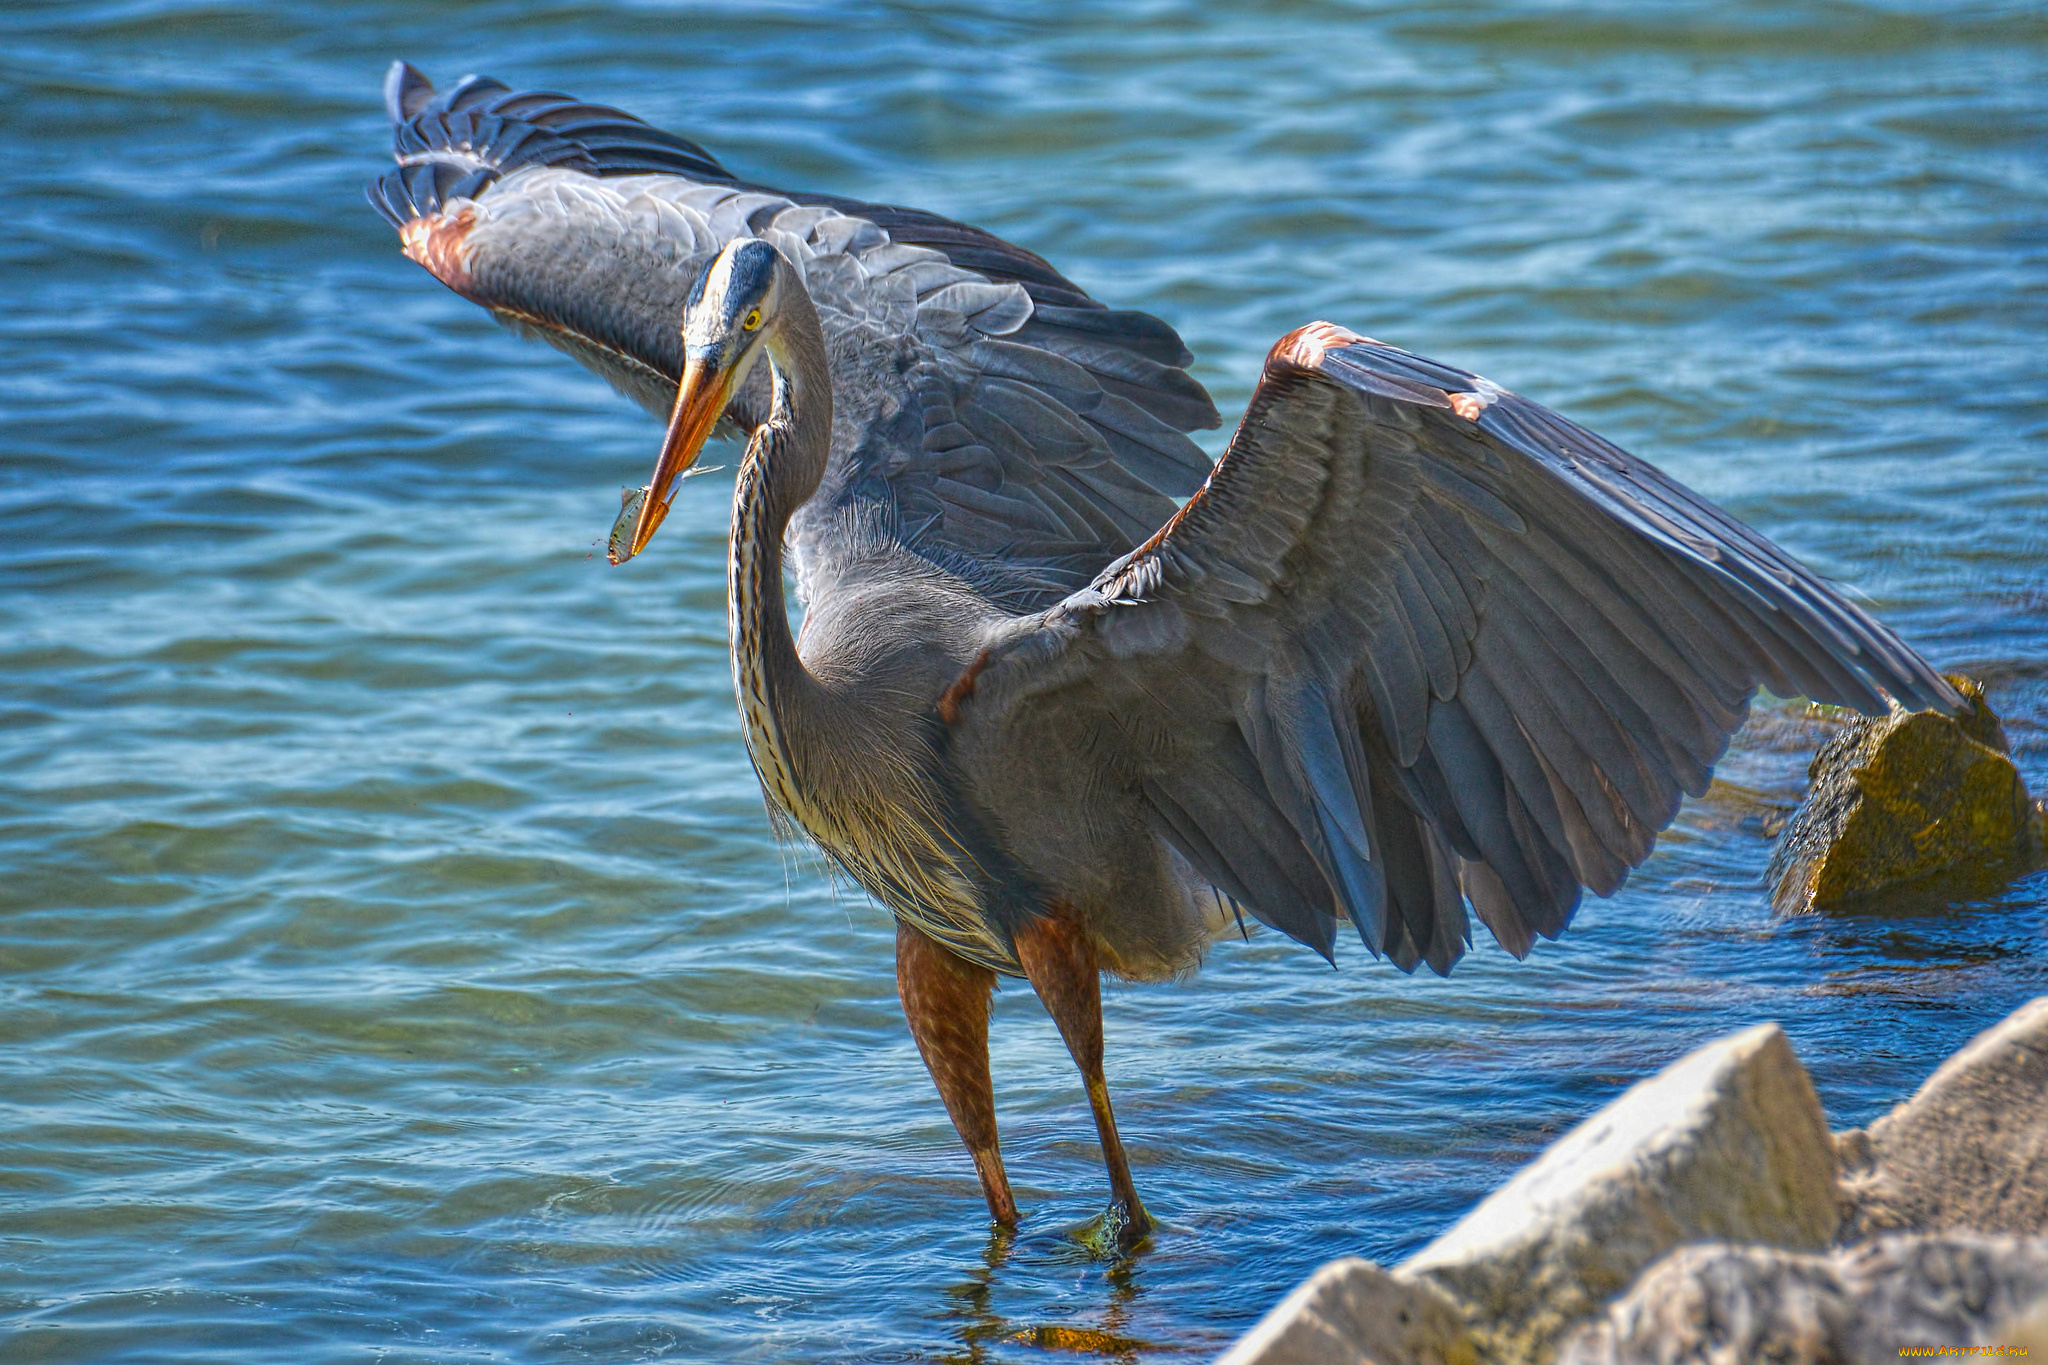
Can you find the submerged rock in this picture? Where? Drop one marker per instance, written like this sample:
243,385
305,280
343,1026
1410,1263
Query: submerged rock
1728,1143
1351,1312
1915,802
1969,1150
1858,1306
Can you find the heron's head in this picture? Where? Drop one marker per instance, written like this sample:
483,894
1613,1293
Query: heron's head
730,321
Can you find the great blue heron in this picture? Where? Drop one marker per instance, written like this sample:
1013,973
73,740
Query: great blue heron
1413,642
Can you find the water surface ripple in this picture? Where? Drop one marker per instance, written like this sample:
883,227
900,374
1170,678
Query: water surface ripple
394,959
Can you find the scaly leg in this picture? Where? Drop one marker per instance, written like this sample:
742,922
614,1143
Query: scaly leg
1060,961
945,998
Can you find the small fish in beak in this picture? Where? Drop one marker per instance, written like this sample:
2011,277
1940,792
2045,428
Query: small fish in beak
619,548
700,401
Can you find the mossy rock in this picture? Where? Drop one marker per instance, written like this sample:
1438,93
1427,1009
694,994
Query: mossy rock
1914,804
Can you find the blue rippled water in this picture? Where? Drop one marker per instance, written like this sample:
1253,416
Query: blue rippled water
395,962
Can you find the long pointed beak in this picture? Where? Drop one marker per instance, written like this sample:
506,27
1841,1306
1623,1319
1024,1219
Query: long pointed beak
700,399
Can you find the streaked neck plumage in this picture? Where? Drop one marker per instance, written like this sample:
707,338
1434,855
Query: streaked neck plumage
840,760
784,463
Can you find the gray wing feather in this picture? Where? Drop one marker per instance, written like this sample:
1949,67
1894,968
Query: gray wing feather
1012,427
1420,641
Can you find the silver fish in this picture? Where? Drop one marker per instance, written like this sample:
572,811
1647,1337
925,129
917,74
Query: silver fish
619,548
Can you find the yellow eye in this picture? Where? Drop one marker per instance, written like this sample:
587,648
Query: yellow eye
751,320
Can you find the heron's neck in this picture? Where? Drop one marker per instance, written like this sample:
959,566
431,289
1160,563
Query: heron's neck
785,460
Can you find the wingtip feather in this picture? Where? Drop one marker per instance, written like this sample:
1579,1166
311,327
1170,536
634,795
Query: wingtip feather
406,91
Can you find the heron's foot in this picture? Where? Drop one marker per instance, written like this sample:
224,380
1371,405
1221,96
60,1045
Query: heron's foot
1002,1240
1118,1231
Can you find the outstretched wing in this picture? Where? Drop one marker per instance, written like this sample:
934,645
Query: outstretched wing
1000,415
1418,636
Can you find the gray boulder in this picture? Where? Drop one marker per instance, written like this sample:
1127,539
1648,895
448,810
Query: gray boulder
1726,1144
1722,1305
1969,1150
1351,1312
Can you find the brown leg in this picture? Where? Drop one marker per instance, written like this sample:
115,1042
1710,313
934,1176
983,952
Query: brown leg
1060,961
945,998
